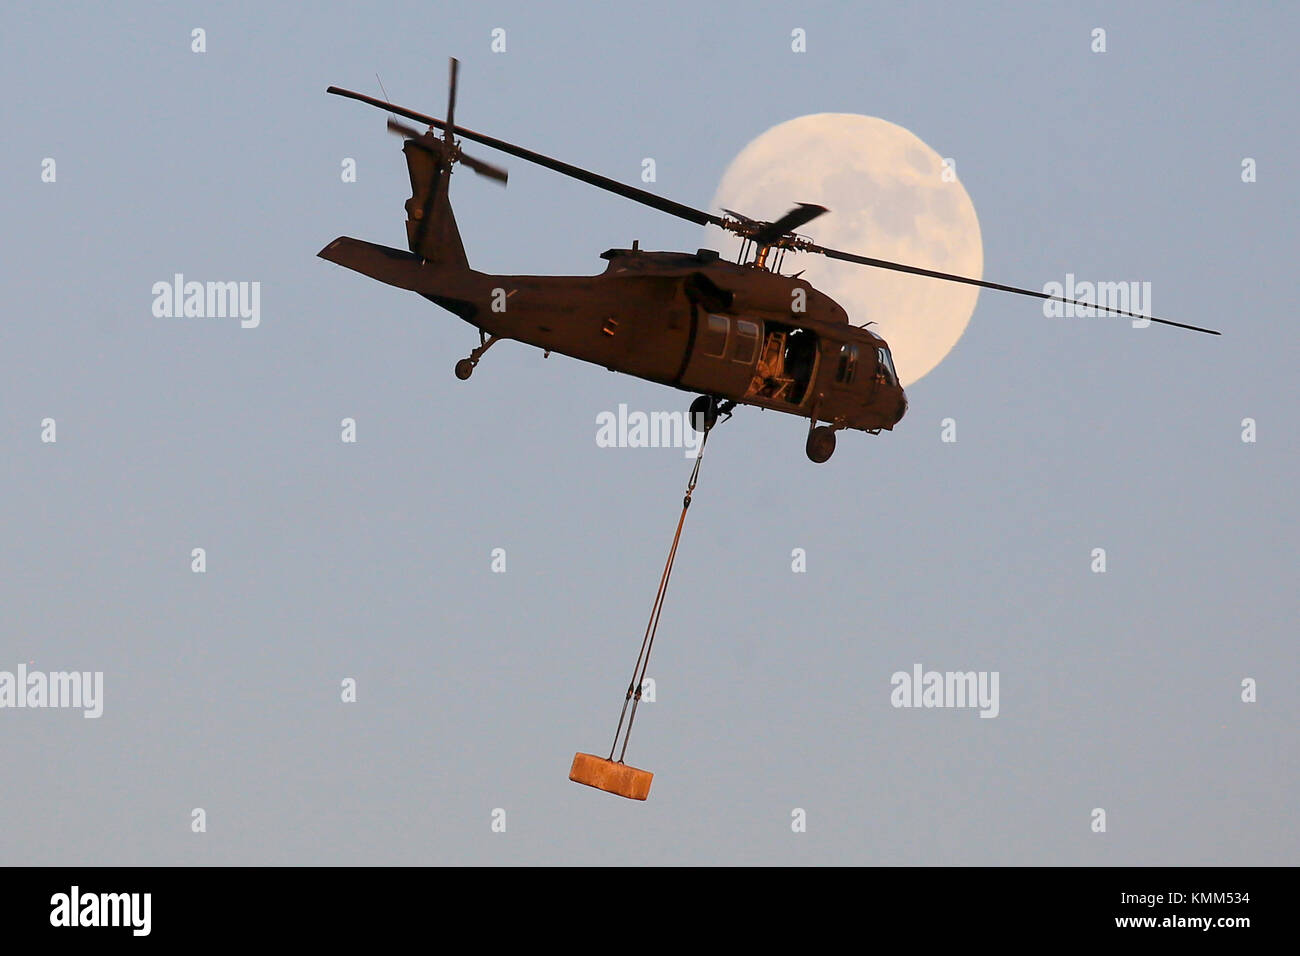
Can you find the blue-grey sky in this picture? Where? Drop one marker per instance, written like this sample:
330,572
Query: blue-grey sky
372,560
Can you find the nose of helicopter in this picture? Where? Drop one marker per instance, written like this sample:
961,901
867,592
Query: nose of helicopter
902,406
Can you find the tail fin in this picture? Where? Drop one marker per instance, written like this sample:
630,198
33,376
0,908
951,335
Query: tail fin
431,229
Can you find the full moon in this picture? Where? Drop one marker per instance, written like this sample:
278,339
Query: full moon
890,197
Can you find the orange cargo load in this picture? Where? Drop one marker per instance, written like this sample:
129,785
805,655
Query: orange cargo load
610,776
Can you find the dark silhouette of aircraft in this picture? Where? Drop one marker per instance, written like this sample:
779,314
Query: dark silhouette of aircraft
737,333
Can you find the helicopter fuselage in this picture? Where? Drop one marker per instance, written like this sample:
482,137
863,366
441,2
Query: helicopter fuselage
690,321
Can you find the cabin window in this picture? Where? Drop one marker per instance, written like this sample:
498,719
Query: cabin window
744,348
714,342
848,366
887,366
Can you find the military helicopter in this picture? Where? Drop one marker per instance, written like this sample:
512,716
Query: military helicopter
738,333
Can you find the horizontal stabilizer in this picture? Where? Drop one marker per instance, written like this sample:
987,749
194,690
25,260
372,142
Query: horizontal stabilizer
396,267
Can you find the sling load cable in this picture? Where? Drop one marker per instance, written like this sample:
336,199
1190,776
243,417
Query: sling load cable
652,627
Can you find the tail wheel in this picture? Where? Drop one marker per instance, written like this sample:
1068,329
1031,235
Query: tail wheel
821,443
464,369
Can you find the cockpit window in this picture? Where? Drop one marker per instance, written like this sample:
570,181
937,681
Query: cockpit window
887,366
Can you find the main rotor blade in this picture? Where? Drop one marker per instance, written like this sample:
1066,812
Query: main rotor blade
916,270
739,216
789,221
796,217
680,210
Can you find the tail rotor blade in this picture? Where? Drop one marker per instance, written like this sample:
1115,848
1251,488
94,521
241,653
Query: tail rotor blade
485,169
401,129
451,98
424,141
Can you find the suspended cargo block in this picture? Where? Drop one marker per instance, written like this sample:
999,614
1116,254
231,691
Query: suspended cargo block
610,776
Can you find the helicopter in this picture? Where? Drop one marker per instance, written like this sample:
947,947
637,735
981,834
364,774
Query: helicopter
735,332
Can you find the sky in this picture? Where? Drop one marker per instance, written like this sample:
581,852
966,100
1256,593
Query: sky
773,736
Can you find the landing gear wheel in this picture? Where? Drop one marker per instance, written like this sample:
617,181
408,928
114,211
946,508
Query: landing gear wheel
821,443
465,367
704,413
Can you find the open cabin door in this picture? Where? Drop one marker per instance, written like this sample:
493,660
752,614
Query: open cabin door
762,362
786,365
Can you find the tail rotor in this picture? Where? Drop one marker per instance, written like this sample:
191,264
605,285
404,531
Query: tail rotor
448,148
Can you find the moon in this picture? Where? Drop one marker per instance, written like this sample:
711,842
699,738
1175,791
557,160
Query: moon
890,197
